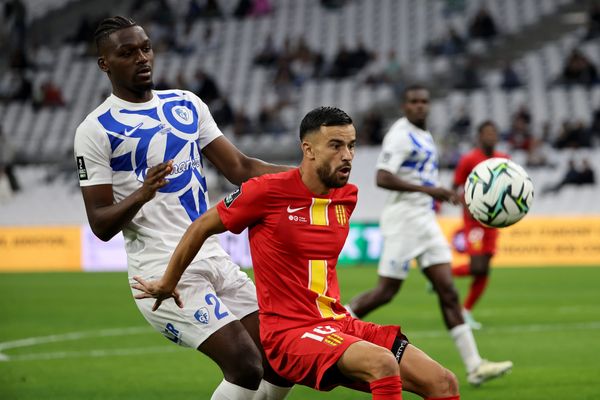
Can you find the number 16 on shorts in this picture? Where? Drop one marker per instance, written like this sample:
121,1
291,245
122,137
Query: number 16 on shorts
325,334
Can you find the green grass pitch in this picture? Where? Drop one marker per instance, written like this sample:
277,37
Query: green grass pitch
95,344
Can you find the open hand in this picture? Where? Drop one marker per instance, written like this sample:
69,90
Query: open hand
157,290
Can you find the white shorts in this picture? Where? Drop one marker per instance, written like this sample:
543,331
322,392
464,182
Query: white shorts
423,241
214,292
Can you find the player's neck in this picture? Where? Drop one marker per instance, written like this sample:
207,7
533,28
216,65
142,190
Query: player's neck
419,124
487,151
133,96
311,180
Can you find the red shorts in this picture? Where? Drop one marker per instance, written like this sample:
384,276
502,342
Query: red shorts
305,355
479,239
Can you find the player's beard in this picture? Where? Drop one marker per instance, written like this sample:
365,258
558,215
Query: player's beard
329,177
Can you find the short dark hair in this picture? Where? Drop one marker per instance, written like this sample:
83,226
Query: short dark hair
111,25
323,116
411,88
487,122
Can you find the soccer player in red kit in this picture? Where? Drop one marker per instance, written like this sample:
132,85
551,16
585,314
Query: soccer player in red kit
479,240
298,223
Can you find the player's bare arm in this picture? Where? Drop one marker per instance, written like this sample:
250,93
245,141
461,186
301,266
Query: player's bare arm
235,165
108,218
387,180
201,229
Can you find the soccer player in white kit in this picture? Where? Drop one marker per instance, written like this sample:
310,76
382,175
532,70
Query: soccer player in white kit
408,167
140,163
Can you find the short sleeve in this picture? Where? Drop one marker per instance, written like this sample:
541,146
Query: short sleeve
394,150
92,155
207,127
244,207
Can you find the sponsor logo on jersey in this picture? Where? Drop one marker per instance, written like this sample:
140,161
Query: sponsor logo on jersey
333,339
130,131
231,197
81,170
202,315
180,167
291,210
172,333
295,218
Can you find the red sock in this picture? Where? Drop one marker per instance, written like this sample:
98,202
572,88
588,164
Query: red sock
461,270
477,288
388,388
457,397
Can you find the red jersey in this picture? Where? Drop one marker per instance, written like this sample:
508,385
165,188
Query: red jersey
295,239
466,164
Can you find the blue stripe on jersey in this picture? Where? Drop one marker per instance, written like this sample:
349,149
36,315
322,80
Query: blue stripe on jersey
193,209
174,146
121,163
152,113
167,95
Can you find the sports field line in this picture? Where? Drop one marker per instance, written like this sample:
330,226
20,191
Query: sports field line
94,353
65,337
593,325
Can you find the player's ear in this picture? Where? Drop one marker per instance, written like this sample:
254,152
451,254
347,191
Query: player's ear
102,64
307,150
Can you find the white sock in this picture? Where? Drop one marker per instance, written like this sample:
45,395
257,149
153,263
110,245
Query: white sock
268,391
465,342
347,307
229,391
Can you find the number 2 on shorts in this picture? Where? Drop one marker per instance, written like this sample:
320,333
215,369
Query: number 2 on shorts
217,303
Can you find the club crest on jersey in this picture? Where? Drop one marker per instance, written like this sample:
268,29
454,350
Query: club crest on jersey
340,214
231,197
182,113
202,315
333,339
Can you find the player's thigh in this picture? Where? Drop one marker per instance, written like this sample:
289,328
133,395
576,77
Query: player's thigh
234,287
307,355
203,313
422,375
437,249
395,257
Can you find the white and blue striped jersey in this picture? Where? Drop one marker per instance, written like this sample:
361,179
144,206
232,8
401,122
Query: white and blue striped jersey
119,141
408,152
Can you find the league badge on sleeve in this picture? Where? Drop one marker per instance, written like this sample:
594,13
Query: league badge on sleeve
231,197
81,170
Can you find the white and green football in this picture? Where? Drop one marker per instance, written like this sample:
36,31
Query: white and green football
498,192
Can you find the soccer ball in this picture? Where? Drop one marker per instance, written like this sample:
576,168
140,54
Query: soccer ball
498,192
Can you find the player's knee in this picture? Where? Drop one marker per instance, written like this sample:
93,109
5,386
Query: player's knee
247,371
450,382
382,363
441,383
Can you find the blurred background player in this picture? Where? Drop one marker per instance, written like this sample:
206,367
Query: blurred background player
479,240
298,223
139,160
408,168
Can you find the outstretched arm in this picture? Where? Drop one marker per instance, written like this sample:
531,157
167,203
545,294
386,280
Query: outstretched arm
201,229
108,218
387,180
235,165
